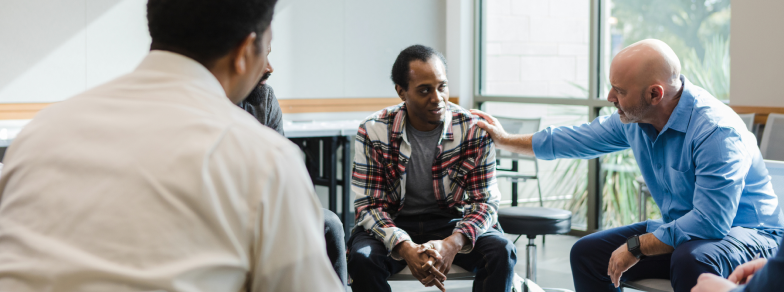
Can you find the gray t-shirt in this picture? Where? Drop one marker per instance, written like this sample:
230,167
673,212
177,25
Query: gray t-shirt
420,198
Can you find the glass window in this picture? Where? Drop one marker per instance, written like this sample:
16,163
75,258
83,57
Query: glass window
697,30
563,182
535,48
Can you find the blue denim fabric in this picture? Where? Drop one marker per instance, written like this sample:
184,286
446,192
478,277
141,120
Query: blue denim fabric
492,259
591,254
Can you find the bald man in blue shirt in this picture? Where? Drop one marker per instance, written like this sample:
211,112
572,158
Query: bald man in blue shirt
701,164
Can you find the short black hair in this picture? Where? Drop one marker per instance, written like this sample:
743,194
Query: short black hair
416,52
206,30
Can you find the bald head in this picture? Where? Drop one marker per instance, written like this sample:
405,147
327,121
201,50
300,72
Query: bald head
646,63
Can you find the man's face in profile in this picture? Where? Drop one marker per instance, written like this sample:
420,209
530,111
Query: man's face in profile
427,93
267,71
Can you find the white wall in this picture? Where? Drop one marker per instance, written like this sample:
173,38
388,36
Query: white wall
345,48
51,50
757,44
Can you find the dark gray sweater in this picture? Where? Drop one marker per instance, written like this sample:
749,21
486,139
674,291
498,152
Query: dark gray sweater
262,104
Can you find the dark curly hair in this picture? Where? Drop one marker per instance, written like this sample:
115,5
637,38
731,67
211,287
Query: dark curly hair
205,30
416,52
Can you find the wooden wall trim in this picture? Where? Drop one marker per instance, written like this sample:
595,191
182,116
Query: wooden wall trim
321,105
761,112
23,111
20,111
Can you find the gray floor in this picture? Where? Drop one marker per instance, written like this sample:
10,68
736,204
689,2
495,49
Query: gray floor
553,269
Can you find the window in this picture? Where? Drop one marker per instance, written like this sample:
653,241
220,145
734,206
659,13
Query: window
550,59
697,30
536,48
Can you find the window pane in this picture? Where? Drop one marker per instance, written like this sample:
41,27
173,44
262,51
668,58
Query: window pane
536,48
697,30
563,181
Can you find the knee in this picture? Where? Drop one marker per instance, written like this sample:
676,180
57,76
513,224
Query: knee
364,257
687,258
503,252
582,248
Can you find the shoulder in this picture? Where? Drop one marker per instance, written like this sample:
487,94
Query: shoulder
381,121
464,124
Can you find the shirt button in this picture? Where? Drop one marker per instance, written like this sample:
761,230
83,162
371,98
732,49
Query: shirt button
658,165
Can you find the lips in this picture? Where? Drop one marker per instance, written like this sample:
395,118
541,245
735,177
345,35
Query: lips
437,111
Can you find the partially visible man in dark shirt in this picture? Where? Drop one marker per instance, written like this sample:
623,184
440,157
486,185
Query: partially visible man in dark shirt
262,104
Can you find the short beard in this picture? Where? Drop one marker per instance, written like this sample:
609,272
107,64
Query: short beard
635,114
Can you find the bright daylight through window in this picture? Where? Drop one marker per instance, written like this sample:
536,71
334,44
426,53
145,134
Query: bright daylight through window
541,49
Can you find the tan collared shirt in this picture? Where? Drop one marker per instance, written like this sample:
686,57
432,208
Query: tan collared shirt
155,181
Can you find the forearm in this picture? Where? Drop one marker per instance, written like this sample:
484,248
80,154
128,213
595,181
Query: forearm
518,143
651,246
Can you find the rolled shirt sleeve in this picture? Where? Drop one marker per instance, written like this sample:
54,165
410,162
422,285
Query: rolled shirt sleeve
590,140
721,163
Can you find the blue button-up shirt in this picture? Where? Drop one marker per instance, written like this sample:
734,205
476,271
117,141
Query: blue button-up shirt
703,169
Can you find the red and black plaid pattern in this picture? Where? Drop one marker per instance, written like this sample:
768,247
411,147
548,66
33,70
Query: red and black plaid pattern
463,173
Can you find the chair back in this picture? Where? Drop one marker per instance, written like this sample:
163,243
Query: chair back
773,138
776,172
517,126
748,119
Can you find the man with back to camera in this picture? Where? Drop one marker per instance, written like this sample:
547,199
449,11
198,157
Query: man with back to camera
157,181
262,105
701,164
416,165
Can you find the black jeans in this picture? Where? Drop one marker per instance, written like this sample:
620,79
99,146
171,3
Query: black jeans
336,246
492,259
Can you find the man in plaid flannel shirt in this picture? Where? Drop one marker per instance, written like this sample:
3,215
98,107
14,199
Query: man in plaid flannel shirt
426,194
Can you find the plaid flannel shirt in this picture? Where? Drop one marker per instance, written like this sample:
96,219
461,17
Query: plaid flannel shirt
463,174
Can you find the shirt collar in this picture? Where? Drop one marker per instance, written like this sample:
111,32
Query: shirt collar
399,124
681,115
172,63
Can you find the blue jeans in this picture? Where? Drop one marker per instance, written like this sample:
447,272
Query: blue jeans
492,259
591,254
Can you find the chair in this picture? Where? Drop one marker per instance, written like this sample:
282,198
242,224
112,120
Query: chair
642,194
455,273
649,285
519,126
529,221
776,172
773,138
748,119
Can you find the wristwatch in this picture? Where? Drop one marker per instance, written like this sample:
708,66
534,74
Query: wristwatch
633,244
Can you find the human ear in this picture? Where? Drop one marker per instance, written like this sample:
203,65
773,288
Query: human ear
243,52
655,93
400,92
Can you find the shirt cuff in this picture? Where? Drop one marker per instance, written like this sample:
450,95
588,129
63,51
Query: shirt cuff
398,236
668,234
542,143
471,238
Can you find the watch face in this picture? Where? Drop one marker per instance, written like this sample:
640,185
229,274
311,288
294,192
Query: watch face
633,243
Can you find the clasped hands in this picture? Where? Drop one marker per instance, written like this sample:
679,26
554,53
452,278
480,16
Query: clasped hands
431,261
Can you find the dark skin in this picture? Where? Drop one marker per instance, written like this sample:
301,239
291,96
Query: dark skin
425,100
241,69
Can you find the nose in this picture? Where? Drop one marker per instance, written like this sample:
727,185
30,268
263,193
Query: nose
611,96
269,67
